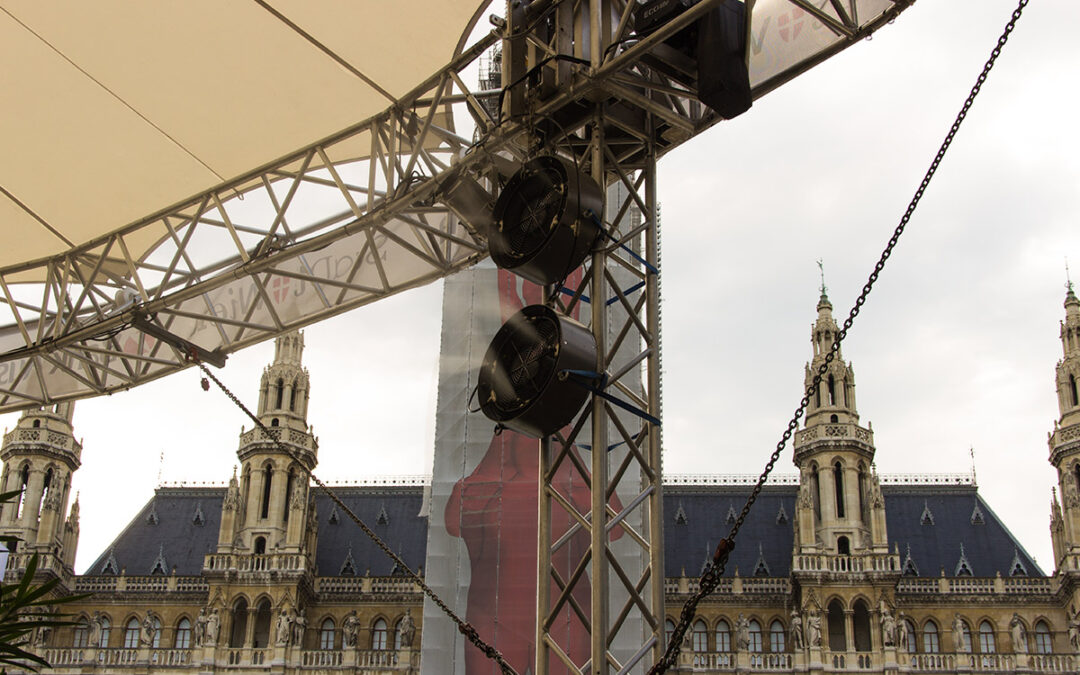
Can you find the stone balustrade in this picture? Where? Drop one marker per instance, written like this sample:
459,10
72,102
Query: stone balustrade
730,585
243,563
292,437
845,564
977,586
110,583
47,562
345,586
53,438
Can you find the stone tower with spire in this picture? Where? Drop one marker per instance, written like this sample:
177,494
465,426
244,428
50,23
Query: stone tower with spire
840,510
265,509
1065,442
40,455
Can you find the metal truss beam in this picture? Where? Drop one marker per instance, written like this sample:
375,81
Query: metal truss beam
356,217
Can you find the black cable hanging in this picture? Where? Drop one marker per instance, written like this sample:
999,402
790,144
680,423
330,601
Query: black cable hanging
710,578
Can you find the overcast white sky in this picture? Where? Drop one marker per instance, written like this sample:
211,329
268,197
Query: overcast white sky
955,348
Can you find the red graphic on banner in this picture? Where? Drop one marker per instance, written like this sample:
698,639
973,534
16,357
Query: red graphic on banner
279,288
791,24
494,510
130,344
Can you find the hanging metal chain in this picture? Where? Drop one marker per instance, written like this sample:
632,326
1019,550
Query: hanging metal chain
710,578
463,626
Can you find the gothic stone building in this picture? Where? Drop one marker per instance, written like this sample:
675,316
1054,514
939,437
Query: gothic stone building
838,569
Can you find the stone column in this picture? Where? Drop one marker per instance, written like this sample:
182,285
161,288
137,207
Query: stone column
34,487
849,629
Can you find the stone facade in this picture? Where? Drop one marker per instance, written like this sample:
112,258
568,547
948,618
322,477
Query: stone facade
837,568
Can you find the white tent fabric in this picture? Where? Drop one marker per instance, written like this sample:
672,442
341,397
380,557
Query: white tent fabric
114,110
241,169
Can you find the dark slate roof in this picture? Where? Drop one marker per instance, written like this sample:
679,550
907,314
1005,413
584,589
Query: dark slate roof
707,508
695,518
404,531
989,547
175,533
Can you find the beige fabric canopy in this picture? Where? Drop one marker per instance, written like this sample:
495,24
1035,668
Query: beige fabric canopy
114,110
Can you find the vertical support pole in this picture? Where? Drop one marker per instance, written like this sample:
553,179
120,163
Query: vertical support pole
598,506
655,510
543,554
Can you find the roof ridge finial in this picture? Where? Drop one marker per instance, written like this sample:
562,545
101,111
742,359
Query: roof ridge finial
821,270
974,482
1068,279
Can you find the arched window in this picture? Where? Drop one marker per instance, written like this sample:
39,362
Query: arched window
1072,390
837,636
987,645
669,630
699,637
378,634
834,418
723,636
864,513
288,492
861,626
239,624
931,643
131,634
1044,643
292,397
1076,472
24,480
263,614
37,424
106,629
247,487
260,545
280,386
815,490
81,635
776,637
326,634
755,637
46,488
832,389
268,479
183,635
910,646
843,546
274,422
838,478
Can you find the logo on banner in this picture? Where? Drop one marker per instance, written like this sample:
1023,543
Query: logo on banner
791,25
279,289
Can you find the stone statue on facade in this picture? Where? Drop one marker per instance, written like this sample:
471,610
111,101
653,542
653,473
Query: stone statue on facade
407,629
350,626
283,630
958,637
1074,632
299,624
742,633
1019,635
813,623
798,639
200,627
213,626
888,626
96,629
902,635
146,634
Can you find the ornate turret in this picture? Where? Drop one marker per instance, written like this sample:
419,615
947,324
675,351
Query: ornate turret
1065,439
839,509
264,511
40,454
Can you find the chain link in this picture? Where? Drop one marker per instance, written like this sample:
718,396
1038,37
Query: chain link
710,578
463,626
